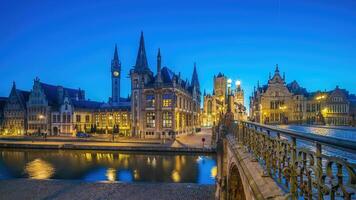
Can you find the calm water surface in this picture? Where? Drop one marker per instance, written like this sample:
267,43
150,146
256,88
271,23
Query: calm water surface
107,166
327,132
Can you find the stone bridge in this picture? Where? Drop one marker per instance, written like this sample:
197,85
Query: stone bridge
257,161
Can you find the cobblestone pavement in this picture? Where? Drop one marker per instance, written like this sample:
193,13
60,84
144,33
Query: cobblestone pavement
62,189
194,140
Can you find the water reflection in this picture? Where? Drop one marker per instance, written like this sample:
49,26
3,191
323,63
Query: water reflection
107,166
39,169
111,174
329,132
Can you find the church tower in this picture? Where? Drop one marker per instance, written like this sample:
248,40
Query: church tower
115,78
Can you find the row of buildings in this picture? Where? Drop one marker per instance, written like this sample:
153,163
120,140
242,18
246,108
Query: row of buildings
280,103
217,103
160,105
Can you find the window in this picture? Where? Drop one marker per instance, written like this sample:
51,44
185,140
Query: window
78,118
167,100
87,118
124,119
210,107
150,120
150,101
167,120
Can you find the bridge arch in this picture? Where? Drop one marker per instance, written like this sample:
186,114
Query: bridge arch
235,186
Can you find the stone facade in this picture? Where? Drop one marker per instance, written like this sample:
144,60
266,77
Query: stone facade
216,103
15,112
3,101
162,105
281,103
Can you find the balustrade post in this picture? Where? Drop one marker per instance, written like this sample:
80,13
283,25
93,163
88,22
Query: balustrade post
293,170
269,153
319,170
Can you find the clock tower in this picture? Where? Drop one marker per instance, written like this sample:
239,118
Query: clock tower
115,78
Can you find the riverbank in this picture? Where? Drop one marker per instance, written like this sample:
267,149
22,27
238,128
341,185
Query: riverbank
183,143
63,189
112,146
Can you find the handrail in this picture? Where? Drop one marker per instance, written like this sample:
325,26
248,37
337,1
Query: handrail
304,172
335,142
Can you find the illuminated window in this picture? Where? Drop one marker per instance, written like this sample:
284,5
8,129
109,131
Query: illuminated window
150,120
167,100
167,119
124,119
87,118
150,101
78,118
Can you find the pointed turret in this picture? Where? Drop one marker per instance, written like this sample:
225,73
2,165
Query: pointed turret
141,60
195,80
159,76
116,55
277,70
115,62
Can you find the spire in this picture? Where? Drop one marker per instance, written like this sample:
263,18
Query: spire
14,85
204,92
159,76
195,80
277,70
284,76
116,56
141,60
115,62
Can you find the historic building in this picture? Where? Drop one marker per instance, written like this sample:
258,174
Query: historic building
49,110
114,116
15,112
216,103
3,101
281,103
162,105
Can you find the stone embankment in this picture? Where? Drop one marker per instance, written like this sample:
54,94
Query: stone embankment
62,189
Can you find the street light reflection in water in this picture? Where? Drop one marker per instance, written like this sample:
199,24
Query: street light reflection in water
107,166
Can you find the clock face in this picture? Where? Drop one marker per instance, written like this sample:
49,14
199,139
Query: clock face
116,73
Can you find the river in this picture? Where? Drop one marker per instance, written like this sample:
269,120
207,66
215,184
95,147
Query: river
107,166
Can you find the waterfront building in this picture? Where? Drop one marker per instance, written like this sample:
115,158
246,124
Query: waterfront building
15,112
162,105
114,116
281,103
3,101
216,103
49,103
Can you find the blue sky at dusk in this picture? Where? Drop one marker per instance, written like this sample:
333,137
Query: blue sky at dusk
71,43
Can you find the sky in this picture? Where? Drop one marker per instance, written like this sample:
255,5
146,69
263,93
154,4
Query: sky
72,43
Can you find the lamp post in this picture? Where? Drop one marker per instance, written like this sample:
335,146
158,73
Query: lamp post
41,117
112,130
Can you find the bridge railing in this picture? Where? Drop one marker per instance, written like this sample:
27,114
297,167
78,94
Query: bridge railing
297,162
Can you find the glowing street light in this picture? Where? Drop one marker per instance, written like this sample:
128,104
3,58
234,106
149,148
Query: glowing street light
238,83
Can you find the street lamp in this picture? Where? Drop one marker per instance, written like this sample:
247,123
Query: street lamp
40,117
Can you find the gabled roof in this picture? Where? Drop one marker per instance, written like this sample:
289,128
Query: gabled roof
87,104
294,88
52,93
